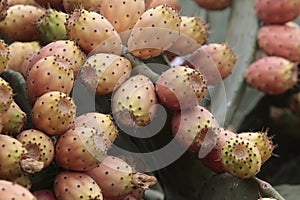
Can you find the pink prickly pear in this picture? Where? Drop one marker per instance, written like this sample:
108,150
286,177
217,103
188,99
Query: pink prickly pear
12,190
154,3
44,194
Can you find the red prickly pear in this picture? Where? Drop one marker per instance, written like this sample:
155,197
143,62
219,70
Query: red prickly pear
180,88
44,194
134,102
50,73
213,159
154,32
6,95
241,158
103,73
53,113
38,145
213,4
76,185
117,179
272,75
196,130
280,40
19,52
277,11
93,32
4,55
12,190
20,21
80,149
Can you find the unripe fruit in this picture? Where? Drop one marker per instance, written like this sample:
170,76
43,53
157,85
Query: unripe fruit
6,95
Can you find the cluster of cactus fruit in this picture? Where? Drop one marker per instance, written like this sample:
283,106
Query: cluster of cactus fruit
102,44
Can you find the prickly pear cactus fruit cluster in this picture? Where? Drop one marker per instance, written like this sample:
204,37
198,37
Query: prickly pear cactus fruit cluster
98,97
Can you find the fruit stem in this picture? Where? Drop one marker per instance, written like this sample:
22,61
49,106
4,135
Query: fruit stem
267,189
141,180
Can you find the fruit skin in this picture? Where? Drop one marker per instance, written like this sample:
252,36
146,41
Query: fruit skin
51,73
20,23
4,53
80,149
24,2
241,158
272,75
101,123
6,95
213,159
38,144
134,103
102,73
154,32
213,4
76,185
44,194
93,32
51,26
11,190
262,141
277,11
53,113
117,179
196,130
19,52
66,49
154,3
180,87
280,40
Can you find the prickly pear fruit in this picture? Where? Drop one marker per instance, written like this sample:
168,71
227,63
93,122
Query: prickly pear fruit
56,4
51,73
262,141
4,53
44,194
122,15
196,130
24,2
93,32
193,32
102,73
13,120
90,5
12,190
52,26
134,102
117,179
213,159
101,123
19,22
76,185
53,113
6,95
241,158
154,32
213,4
38,145
280,40
154,3
65,49
180,87
277,11
272,75
80,149
19,52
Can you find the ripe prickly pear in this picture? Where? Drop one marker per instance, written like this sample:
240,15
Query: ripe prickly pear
241,158
154,3
93,32
280,40
196,130
4,53
102,73
117,179
277,11
213,4
51,73
272,75
20,21
24,2
52,26
53,113
134,102
154,32
80,149
12,190
180,88
76,185
44,194
6,95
